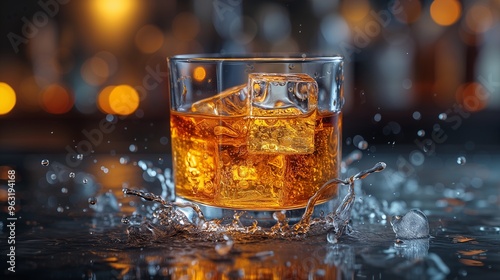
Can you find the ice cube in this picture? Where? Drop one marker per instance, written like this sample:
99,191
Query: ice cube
282,113
412,225
231,102
261,178
282,94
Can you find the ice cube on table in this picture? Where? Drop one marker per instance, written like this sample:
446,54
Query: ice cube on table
230,102
282,113
412,225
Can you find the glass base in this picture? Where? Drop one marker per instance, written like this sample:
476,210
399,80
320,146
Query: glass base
248,217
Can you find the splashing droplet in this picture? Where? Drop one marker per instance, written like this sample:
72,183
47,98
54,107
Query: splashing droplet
133,148
461,160
45,162
92,200
363,145
279,216
416,115
225,247
331,237
124,160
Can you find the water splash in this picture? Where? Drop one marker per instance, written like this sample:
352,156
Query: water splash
169,220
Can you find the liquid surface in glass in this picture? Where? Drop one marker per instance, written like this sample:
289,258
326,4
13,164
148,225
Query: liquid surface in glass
259,146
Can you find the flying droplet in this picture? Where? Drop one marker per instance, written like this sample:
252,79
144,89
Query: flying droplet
363,145
461,160
64,190
416,115
224,248
92,200
421,133
45,162
132,148
279,216
331,237
85,181
124,160
79,156
443,116
60,209
72,174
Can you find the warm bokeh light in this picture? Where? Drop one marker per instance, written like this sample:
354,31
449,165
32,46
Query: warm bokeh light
103,100
411,11
95,71
355,10
110,23
185,27
479,18
123,100
473,96
445,12
56,99
113,12
199,73
7,98
149,39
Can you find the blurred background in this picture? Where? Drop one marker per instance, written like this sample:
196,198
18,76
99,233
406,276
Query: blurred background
417,72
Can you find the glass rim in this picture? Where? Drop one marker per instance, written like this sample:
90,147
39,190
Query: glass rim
255,57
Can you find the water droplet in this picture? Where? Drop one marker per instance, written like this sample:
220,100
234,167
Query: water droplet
79,156
461,160
443,116
224,248
45,162
291,66
417,158
279,216
85,181
110,118
132,148
53,176
92,200
421,133
124,160
72,175
331,237
64,190
377,117
60,209
164,140
416,115
363,145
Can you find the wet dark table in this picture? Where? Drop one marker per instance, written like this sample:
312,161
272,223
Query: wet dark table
68,224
